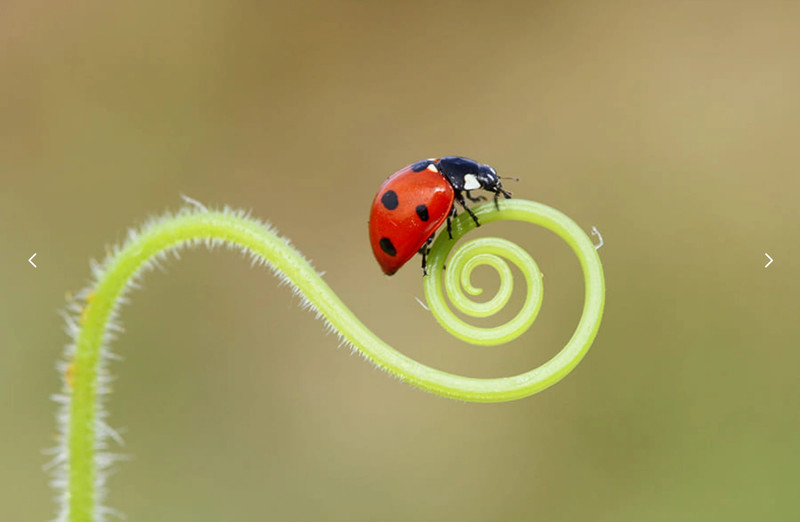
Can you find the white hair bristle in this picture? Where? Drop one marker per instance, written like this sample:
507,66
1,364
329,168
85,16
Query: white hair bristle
58,464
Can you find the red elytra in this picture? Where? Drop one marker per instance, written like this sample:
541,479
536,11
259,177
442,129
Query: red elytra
408,209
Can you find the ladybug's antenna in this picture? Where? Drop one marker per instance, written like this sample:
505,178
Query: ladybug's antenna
500,189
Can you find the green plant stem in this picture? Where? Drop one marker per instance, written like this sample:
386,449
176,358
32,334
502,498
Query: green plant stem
190,226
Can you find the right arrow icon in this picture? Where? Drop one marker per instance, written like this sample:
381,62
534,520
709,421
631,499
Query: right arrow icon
768,262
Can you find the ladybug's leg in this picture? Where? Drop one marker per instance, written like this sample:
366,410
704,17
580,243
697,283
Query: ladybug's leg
475,199
453,213
506,193
424,251
460,198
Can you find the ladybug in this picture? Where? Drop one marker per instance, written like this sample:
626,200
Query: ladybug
414,202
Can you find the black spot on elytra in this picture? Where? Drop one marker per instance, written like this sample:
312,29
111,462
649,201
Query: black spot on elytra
387,246
422,212
389,199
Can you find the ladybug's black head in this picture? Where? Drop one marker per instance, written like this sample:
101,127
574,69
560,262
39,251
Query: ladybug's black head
489,180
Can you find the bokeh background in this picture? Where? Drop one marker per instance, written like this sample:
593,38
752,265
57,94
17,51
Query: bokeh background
671,126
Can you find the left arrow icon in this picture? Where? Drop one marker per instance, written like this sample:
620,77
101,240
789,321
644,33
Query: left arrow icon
30,260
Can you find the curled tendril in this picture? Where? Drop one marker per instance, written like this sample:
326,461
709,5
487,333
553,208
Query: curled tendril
488,251
81,460
491,251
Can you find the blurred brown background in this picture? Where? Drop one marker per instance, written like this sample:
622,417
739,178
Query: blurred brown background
673,127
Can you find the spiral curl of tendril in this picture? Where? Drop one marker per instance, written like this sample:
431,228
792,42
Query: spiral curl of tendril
82,459
491,251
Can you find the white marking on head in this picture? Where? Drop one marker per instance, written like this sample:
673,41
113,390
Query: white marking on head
432,168
471,182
